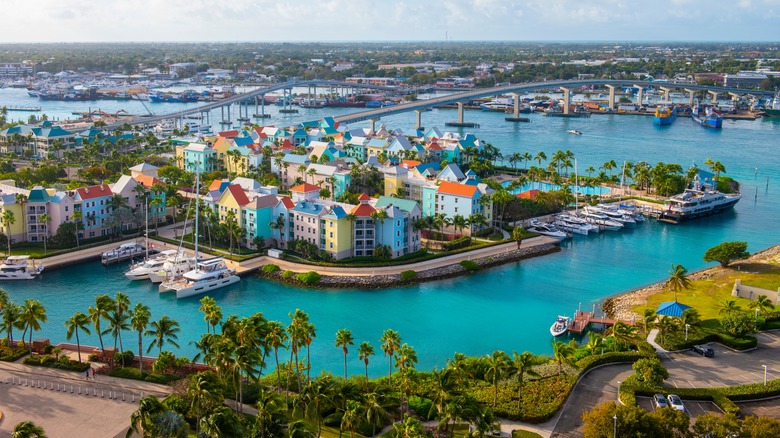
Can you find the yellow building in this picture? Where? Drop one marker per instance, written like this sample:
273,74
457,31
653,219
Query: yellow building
338,233
8,203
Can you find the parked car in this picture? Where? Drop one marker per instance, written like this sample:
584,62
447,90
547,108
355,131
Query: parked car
675,402
703,350
660,401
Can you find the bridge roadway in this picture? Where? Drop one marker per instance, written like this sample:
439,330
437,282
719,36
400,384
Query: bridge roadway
419,105
248,95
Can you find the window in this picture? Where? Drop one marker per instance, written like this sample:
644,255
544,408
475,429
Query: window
331,234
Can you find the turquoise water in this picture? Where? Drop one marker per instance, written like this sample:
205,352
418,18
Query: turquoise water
510,307
545,187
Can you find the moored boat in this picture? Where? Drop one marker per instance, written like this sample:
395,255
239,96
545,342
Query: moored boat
773,110
125,251
574,132
560,326
548,230
173,267
19,268
710,118
696,202
208,275
141,271
665,115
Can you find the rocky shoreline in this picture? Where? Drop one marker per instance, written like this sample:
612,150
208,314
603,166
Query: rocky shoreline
387,281
619,306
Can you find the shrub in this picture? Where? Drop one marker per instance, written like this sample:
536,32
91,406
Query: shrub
271,268
408,275
421,406
12,355
469,265
612,357
310,277
48,349
135,374
726,252
127,355
460,242
64,363
93,357
739,324
650,370
288,275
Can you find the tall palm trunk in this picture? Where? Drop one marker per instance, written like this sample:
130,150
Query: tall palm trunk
278,373
78,345
140,351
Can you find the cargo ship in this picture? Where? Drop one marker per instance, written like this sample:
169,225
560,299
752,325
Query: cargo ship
710,118
665,115
185,96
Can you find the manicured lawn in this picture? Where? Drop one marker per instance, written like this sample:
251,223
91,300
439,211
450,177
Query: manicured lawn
708,294
525,434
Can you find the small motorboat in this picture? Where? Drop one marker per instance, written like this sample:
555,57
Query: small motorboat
548,230
574,132
560,326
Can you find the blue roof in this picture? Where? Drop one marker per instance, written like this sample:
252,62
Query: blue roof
308,207
337,212
425,166
671,308
38,194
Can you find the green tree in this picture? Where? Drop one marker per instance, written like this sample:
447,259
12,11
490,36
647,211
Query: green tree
163,330
650,370
678,279
498,364
8,220
78,321
522,365
33,314
727,252
562,354
28,429
271,413
728,307
103,304
365,351
276,338
204,387
142,419
390,342
139,321
344,339
518,234
763,304
739,324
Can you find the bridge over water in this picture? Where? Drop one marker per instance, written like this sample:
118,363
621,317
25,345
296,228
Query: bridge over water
420,106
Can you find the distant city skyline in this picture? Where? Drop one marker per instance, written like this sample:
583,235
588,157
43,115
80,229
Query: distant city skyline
390,20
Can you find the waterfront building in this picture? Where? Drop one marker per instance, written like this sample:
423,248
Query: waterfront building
338,233
8,202
40,139
94,204
144,169
364,236
36,210
256,218
397,231
454,198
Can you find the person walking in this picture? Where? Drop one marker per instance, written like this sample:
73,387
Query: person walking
87,373
93,373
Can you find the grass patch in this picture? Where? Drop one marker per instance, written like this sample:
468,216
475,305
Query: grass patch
135,374
239,254
525,434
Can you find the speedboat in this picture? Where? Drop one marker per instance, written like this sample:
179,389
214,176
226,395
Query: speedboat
19,268
141,271
208,275
174,266
574,132
602,220
548,230
571,219
560,326
616,215
125,251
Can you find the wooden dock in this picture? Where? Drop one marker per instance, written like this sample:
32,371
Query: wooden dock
582,320
33,109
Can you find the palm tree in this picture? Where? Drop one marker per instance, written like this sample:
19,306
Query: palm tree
729,307
376,406
78,321
678,279
444,387
28,429
497,364
344,339
665,326
139,321
521,365
391,341
518,234
45,218
351,418
77,217
763,304
623,333
271,413
648,318
8,220
405,360
103,304
309,333
275,338
164,329
540,156
459,222
33,314
365,351
11,319
562,354
201,386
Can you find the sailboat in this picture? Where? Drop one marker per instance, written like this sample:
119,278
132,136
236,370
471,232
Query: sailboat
208,275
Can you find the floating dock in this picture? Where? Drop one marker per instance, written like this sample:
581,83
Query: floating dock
583,320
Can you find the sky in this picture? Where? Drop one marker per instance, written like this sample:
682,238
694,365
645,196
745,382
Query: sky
389,20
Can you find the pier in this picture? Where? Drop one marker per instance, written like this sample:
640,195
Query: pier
583,320
31,109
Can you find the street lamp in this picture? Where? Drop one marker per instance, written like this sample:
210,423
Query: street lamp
618,394
756,312
614,429
764,374
686,331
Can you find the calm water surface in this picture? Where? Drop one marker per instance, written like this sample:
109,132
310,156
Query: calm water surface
510,307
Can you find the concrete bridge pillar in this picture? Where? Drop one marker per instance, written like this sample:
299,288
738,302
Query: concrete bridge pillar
418,118
666,91
640,94
611,97
691,94
516,108
566,93
714,95
734,96
372,124
460,112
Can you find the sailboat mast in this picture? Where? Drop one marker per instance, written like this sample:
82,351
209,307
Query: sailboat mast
622,180
197,211
146,219
576,188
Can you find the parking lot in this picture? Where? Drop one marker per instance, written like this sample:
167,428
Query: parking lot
688,369
692,408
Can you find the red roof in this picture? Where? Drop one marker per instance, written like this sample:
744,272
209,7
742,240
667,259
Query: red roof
305,188
94,192
528,194
451,188
411,163
435,146
287,202
363,210
229,134
364,197
238,194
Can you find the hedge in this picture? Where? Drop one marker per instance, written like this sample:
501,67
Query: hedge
271,268
708,330
288,274
460,242
593,361
408,275
64,363
135,374
12,355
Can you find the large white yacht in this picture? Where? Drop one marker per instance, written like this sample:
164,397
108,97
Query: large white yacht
141,271
174,266
208,275
19,268
697,202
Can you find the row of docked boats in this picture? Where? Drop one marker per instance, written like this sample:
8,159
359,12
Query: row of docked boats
591,219
666,114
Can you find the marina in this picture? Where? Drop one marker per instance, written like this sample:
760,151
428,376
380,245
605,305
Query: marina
541,287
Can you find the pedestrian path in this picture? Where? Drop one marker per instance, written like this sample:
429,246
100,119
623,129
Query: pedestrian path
651,340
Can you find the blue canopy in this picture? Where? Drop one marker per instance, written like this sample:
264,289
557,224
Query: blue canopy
671,308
